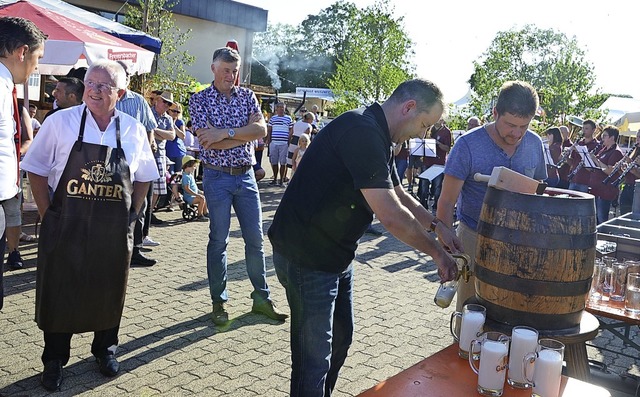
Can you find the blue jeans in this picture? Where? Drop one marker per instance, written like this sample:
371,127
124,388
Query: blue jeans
602,209
552,182
401,167
578,187
321,306
223,191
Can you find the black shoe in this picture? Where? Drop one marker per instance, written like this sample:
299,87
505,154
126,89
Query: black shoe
137,259
51,378
14,260
108,365
269,309
155,221
219,314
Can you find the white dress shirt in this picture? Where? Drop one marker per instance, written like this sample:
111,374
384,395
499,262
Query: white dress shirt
8,160
50,149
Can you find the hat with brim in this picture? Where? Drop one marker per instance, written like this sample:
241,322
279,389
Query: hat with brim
167,96
188,158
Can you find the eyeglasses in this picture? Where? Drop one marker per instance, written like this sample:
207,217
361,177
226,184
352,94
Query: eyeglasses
99,86
175,111
167,102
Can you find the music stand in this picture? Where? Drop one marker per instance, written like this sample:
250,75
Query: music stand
432,172
422,147
587,161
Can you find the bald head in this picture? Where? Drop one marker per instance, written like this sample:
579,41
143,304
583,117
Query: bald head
472,123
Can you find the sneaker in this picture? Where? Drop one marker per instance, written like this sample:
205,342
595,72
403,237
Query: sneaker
147,242
268,309
273,183
14,260
155,220
219,314
202,218
27,238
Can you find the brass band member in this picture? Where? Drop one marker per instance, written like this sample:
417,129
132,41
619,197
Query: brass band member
605,159
580,181
626,197
555,148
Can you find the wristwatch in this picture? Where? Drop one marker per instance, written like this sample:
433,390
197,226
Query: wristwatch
231,133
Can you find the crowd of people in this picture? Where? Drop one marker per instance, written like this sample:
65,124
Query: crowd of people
106,158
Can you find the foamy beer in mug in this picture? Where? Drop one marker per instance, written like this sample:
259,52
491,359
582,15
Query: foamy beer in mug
494,354
547,371
524,340
471,322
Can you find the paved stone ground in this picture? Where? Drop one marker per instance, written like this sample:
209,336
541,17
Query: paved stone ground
169,347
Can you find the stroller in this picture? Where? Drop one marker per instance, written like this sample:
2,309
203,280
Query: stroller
174,183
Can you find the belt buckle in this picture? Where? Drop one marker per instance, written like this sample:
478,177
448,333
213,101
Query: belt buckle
235,171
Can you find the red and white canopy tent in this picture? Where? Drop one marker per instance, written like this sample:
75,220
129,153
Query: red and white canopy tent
73,44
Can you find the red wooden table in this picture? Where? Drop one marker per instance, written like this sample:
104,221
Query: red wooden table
444,374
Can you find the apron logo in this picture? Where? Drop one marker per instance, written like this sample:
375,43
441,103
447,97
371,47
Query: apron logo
97,174
98,185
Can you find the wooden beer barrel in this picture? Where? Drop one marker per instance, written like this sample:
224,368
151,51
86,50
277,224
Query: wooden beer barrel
534,257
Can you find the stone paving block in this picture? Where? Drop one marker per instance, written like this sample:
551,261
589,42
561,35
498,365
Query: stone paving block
169,346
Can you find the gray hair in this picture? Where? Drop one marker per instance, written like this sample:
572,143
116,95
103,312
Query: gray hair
115,71
226,55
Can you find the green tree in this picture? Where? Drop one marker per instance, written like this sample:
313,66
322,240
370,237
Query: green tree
153,17
376,59
553,63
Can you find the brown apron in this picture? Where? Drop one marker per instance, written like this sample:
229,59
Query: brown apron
85,241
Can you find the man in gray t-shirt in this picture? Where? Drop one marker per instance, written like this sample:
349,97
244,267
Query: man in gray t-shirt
505,142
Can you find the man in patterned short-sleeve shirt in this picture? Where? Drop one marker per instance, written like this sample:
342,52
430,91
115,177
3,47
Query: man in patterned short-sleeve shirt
226,120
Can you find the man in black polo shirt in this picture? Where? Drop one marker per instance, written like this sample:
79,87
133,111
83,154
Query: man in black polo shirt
348,174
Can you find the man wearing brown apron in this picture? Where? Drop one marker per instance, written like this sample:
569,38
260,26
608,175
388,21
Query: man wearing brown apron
98,163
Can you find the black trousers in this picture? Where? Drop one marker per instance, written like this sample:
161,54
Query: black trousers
57,345
3,244
141,228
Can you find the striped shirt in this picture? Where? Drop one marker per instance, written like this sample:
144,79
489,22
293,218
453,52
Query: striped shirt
280,126
137,107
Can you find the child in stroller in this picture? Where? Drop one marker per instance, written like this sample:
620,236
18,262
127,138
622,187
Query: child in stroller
192,196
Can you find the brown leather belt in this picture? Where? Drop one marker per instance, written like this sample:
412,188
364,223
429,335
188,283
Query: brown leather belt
229,170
